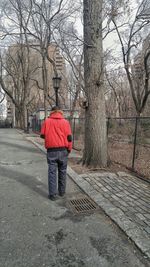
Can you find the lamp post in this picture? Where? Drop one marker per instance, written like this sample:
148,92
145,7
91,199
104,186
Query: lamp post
56,85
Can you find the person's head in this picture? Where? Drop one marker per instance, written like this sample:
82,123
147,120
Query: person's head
56,109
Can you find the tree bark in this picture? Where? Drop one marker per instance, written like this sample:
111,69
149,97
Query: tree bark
44,76
95,149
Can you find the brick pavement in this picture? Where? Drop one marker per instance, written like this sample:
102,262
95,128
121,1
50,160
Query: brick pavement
124,198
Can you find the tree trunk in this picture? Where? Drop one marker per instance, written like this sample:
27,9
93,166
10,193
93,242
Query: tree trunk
95,149
25,123
45,86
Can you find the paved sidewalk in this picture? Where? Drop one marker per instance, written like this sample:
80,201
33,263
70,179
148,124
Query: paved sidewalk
123,197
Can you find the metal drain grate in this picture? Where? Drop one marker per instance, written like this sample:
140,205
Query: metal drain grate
82,205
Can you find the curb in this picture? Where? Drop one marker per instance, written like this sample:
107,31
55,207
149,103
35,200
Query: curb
129,228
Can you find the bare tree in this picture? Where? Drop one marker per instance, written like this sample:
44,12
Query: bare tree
2,104
33,23
2,96
130,38
49,16
118,96
15,72
72,49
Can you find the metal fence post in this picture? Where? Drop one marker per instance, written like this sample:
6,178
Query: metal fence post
108,122
74,124
135,138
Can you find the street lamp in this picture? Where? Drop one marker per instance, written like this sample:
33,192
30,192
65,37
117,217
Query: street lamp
56,85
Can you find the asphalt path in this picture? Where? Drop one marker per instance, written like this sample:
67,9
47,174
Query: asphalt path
36,232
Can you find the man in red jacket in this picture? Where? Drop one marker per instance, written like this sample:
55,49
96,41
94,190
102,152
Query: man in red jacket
58,141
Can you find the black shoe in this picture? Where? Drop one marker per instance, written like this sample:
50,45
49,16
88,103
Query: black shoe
52,197
61,194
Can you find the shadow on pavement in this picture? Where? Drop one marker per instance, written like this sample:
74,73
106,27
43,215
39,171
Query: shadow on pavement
21,147
26,180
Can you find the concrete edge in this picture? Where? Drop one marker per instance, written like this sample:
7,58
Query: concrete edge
129,228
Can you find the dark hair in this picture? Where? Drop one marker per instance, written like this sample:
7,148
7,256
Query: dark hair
55,108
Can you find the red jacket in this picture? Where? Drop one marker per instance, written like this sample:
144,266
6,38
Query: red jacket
57,132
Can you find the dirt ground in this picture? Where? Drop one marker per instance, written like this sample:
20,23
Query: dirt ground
121,153
77,166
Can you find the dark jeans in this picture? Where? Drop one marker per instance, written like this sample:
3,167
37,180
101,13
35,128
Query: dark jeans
57,160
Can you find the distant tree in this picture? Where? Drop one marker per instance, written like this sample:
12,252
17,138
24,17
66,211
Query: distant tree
70,42
130,37
33,22
2,105
118,95
2,96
